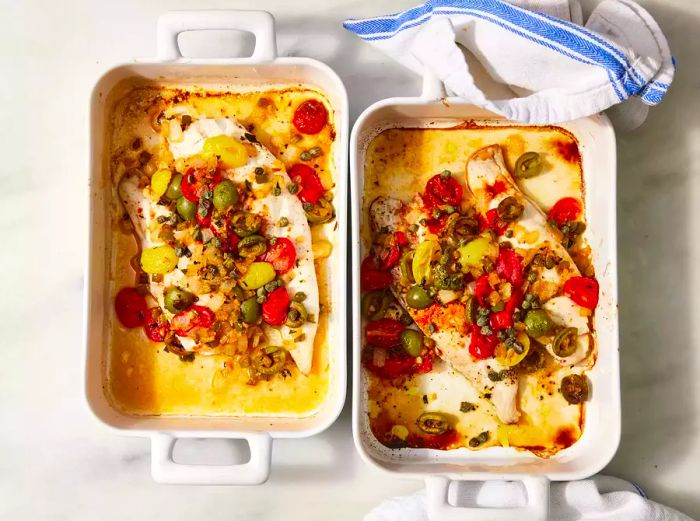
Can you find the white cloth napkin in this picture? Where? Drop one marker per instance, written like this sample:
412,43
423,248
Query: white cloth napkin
558,69
602,498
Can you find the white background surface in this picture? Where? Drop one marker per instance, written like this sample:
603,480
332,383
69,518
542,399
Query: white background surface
57,463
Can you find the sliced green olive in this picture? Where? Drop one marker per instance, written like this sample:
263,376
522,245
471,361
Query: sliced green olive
509,209
418,298
321,212
252,246
225,195
186,208
177,300
528,165
433,423
375,304
406,269
245,224
470,308
174,191
412,341
574,388
251,310
538,323
463,228
565,342
269,363
297,314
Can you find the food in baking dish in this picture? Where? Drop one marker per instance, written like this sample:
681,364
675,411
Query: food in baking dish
478,292
221,302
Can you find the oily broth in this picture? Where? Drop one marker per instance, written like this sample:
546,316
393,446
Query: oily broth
398,163
141,378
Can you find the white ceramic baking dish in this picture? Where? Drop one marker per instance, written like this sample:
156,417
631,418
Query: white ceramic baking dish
601,433
263,68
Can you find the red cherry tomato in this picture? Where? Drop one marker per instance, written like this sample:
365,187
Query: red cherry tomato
311,188
371,279
509,266
281,255
482,346
441,190
228,238
565,210
583,291
196,182
310,117
426,364
435,226
390,253
156,325
274,309
482,289
384,333
501,320
130,307
194,316
492,221
497,188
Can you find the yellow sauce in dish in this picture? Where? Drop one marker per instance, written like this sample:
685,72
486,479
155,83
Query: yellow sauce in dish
398,163
141,377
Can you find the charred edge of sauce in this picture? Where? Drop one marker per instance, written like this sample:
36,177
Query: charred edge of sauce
565,437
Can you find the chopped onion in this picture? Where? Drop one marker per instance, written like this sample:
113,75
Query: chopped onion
379,357
175,131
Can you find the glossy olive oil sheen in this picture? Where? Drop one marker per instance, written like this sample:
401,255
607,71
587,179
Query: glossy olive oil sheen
142,378
398,163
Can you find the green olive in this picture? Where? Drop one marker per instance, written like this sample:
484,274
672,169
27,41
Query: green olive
509,209
225,195
177,300
252,246
375,304
462,228
321,212
418,298
412,341
433,423
528,165
538,323
245,224
565,342
186,208
270,362
174,191
251,310
574,388
297,315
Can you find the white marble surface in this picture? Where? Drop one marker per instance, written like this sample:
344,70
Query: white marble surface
57,463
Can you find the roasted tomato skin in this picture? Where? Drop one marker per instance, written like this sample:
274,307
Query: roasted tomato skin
509,266
275,308
282,255
190,318
310,186
440,190
384,333
481,346
565,210
584,291
130,307
156,326
196,182
371,279
310,117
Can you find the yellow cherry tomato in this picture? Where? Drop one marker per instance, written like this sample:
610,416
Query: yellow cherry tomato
475,251
421,260
158,260
258,274
160,182
229,150
508,356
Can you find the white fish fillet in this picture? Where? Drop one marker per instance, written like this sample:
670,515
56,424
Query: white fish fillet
143,212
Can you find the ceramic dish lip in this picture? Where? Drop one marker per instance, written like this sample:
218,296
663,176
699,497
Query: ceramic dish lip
491,463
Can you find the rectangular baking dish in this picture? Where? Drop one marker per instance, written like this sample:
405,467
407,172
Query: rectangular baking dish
263,68
601,433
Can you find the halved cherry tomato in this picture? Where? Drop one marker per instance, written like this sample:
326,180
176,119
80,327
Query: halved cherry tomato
384,333
310,117
482,289
282,255
156,325
310,186
435,226
195,182
371,279
481,346
565,210
501,320
193,316
583,291
274,309
509,266
492,221
130,307
441,190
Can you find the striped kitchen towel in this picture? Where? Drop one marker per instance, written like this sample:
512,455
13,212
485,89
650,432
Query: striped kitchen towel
558,69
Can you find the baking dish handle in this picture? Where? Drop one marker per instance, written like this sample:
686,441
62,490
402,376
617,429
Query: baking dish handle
439,509
260,23
165,470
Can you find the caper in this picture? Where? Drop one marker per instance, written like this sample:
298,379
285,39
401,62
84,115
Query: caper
412,341
251,310
528,165
176,299
418,298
